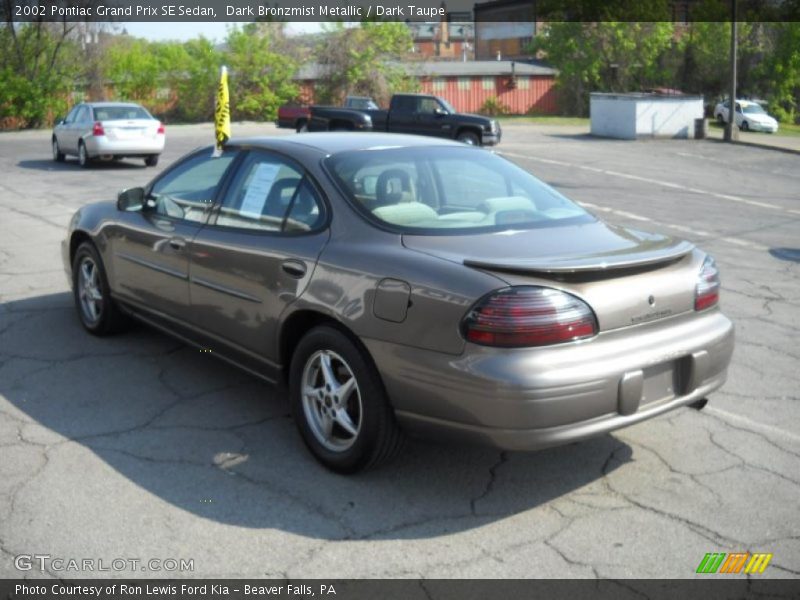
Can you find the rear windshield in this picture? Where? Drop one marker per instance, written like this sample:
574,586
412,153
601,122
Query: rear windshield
113,113
449,190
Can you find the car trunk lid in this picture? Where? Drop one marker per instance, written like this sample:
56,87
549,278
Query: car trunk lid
627,276
130,129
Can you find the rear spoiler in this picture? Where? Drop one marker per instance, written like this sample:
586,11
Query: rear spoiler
600,262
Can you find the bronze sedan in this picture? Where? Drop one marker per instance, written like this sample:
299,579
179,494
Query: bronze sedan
406,284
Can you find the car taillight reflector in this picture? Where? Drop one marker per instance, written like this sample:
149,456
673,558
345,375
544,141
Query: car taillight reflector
98,128
706,292
528,316
161,129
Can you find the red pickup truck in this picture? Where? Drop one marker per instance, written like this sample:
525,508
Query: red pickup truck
293,116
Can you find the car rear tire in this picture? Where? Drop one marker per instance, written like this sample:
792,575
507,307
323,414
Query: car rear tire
470,138
58,156
339,404
83,156
151,161
97,311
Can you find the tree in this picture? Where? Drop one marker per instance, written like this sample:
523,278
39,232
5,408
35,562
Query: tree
362,61
195,83
780,70
606,56
260,71
38,67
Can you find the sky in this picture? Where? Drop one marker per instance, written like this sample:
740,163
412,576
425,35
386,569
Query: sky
184,31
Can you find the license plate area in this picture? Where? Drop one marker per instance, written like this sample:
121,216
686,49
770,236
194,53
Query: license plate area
661,383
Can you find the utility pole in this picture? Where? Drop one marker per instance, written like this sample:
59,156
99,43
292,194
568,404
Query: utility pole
730,127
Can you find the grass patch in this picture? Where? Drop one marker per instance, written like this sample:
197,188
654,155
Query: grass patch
546,120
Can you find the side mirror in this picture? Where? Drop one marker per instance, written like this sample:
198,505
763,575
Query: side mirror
60,121
131,200
440,112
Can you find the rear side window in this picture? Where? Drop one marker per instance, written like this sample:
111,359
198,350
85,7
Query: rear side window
269,193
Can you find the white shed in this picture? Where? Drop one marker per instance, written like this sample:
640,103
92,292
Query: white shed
638,115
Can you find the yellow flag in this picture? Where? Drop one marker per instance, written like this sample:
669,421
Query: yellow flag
222,113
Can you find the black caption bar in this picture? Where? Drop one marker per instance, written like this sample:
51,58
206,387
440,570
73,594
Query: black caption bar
397,10
374,589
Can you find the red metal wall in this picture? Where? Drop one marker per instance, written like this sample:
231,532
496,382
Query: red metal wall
539,98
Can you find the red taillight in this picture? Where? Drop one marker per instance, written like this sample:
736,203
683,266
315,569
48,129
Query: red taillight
161,129
98,128
528,316
706,292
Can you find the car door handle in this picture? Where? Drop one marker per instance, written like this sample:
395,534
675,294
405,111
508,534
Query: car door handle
177,243
294,268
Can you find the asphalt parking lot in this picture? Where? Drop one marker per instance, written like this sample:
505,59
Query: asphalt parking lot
137,447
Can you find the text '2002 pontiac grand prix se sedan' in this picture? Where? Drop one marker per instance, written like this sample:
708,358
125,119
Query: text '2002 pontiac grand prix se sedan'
405,284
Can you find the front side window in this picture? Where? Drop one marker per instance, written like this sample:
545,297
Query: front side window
428,106
449,190
270,194
188,190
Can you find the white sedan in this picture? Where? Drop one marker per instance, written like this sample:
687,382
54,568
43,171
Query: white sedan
108,131
749,116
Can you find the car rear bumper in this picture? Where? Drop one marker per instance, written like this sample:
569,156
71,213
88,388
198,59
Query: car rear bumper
102,146
526,399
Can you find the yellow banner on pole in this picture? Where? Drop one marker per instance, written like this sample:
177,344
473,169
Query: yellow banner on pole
222,113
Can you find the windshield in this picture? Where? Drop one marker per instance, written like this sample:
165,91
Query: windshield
447,106
754,109
113,113
449,189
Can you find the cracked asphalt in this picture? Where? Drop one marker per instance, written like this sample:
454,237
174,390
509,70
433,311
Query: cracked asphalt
137,447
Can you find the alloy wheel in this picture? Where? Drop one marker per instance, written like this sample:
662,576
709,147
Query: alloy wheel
89,291
331,400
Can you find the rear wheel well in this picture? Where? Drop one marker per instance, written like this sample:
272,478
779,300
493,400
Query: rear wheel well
299,324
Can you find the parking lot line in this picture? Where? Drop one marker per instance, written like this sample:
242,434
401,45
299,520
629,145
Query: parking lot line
667,184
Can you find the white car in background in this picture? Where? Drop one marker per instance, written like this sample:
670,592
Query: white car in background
750,116
108,131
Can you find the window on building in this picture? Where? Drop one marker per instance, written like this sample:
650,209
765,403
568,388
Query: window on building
488,83
523,83
439,84
464,83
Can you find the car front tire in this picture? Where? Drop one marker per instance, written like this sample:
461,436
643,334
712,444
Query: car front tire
302,127
97,311
469,138
58,156
745,126
151,161
339,404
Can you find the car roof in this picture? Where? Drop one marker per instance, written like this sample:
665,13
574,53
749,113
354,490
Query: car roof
333,143
105,104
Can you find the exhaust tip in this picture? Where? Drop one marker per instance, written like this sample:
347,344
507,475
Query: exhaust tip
699,404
